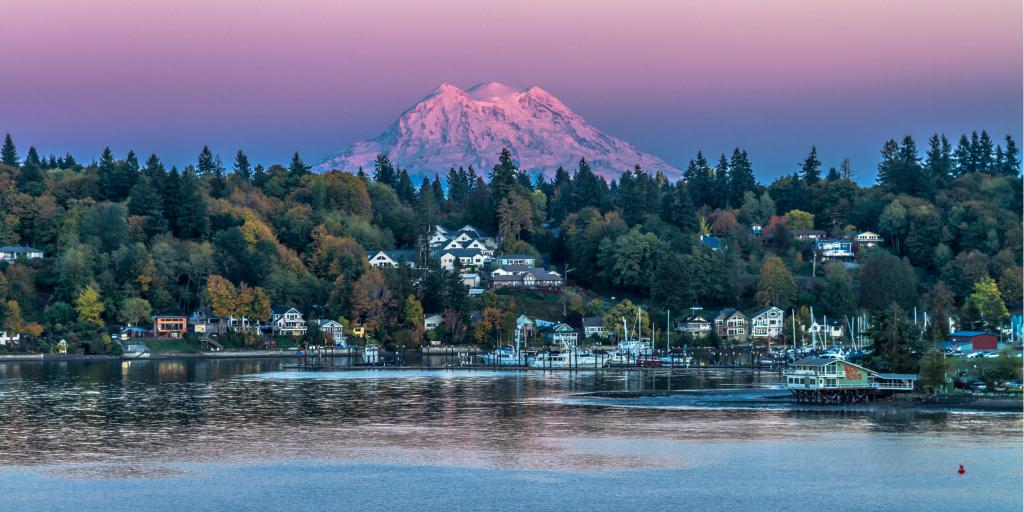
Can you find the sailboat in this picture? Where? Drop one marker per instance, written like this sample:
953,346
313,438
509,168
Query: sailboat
628,351
508,355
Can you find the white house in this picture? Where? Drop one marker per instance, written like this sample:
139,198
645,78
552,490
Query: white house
832,250
522,260
287,322
767,323
467,257
593,326
332,327
6,339
391,258
867,239
561,334
432,322
13,252
525,277
471,280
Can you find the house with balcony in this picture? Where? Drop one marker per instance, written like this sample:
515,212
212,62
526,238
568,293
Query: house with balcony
731,324
520,260
594,326
832,381
466,258
767,323
526,278
695,325
169,326
867,239
560,334
287,321
331,328
834,250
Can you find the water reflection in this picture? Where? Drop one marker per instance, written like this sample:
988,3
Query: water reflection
119,418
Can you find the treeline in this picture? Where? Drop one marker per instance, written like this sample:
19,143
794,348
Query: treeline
141,238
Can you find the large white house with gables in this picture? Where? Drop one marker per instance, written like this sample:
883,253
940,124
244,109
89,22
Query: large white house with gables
391,258
287,322
767,323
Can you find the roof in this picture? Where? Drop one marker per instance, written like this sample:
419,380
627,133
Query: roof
711,241
593,321
808,232
18,248
762,311
516,257
462,253
967,334
397,255
896,376
814,361
280,310
169,316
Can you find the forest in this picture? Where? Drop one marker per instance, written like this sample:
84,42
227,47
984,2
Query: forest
126,238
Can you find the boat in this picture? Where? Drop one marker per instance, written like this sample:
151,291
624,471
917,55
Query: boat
508,355
568,357
505,356
631,352
371,355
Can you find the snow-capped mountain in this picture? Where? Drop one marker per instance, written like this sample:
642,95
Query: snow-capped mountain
453,127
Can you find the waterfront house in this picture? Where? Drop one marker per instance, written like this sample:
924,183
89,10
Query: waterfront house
432,322
169,326
973,341
287,321
826,330
331,328
391,258
560,334
767,323
9,339
134,332
829,381
13,252
522,260
526,326
695,325
593,326
731,324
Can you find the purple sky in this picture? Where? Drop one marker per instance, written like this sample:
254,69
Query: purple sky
671,77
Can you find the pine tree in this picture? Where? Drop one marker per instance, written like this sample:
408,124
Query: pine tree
107,175
384,171
9,154
962,156
846,169
207,165
242,168
741,176
721,184
504,176
698,180
810,170
984,153
1011,158
298,168
939,160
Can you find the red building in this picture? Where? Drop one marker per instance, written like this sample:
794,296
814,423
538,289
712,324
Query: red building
974,340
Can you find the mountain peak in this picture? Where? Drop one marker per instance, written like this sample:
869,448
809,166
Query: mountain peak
453,127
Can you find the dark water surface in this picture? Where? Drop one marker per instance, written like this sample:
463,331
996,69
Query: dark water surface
250,435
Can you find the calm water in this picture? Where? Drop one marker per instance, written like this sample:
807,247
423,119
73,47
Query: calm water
251,435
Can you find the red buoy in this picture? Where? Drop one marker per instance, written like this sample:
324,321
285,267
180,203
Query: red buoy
961,470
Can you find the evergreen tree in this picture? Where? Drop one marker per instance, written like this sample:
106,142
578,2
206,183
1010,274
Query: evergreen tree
107,176
242,168
939,160
404,189
1011,159
677,208
9,153
207,165
984,153
31,179
741,176
810,170
590,190
384,171
188,219
963,157
698,180
297,168
504,177
720,187
846,169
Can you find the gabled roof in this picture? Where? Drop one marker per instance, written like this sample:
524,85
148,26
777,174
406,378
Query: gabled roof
593,321
18,249
814,361
970,333
461,253
762,311
516,257
280,310
395,254
711,241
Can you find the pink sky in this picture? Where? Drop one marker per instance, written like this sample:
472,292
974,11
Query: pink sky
670,76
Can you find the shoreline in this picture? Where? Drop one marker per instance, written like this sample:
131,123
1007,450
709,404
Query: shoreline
893,403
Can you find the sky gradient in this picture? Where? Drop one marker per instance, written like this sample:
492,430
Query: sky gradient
671,77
